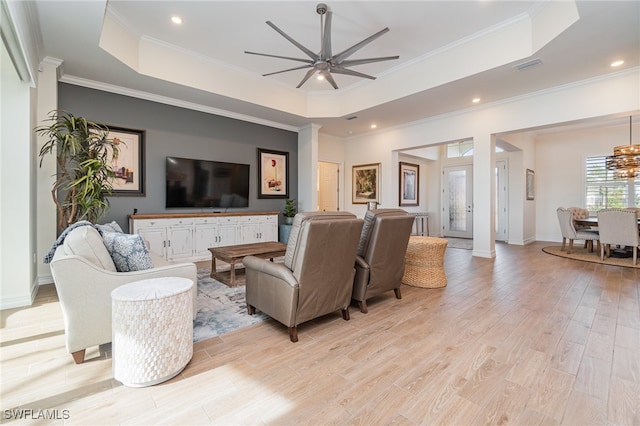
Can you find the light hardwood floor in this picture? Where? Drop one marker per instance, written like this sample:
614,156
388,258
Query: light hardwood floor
525,338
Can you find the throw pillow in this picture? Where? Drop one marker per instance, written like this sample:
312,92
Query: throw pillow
128,251
85,241
109,227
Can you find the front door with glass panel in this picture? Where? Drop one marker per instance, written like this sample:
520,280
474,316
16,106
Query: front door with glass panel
458,202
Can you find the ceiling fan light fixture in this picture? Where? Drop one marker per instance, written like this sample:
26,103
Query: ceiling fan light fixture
325,62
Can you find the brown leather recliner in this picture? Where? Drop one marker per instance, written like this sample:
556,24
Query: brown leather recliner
381,253
316,277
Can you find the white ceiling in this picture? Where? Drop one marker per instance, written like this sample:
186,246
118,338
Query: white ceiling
202,63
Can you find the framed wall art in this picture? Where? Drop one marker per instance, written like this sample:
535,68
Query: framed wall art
530,184
129,166
273,174
366,183
409,184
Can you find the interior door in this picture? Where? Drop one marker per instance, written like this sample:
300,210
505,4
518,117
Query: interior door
458,201
328,189
501,222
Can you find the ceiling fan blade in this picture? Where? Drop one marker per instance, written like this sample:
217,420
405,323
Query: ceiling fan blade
340,70
307,61
329,78
306,77
287,70
308,52
325,52
352,62
337,59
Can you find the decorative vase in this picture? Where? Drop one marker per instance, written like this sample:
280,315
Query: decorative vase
288,220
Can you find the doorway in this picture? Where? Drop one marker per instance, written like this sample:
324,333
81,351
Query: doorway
502,191
328,186
458,201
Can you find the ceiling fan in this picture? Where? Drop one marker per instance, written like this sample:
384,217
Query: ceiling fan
325,62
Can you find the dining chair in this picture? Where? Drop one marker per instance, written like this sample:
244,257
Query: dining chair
579,213
569,231
618,227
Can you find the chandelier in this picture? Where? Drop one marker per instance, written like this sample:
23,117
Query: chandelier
625,161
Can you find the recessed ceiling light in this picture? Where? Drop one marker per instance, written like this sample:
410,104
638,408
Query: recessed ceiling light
617,63
475,100
373,126
176,20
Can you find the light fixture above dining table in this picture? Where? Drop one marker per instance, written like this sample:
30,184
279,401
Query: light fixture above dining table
625,161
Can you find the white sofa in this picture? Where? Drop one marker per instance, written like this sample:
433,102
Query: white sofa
85,274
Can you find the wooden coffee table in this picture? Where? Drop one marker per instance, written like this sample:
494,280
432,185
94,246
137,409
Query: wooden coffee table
233,254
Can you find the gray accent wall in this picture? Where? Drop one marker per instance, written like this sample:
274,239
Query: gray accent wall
180,132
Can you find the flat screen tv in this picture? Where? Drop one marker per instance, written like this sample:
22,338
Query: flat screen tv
203,183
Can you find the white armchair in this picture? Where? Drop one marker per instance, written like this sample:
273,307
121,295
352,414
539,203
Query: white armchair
84,275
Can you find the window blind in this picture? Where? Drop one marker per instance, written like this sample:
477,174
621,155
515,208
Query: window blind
603,191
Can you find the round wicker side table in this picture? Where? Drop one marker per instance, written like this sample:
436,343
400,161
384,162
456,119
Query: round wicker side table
152,330
424,262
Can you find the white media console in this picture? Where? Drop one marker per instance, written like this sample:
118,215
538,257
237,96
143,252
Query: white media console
188,236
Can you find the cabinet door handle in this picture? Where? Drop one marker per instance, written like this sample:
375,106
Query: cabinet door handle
169,243
164,244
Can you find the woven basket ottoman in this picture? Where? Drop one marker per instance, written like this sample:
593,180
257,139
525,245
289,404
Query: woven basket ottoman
152,325
424,262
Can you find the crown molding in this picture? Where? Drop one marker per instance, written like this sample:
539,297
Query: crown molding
555,89
92,84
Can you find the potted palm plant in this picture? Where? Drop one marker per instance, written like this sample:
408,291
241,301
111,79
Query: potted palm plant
84,157
290,210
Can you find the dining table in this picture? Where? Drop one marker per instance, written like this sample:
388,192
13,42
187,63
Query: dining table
591,221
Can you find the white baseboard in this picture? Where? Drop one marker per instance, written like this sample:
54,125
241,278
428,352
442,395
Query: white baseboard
489,254
45,279
20,301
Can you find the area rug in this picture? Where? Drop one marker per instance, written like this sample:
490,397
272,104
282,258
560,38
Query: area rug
460,243
221,309
581,253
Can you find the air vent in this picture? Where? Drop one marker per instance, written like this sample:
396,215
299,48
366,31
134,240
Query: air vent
353,117
528,64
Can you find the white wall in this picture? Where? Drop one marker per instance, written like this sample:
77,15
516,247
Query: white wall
561,165
522,212
308,141
17,190
615,94
331,150
429,191
46,212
